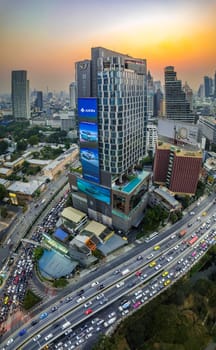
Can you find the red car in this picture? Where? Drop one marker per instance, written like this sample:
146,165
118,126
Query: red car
89,311
138,273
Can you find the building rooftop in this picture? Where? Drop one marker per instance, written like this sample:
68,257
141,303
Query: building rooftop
95,227
164,193
73,214
4,171
58,160
27,188
11,164
38,161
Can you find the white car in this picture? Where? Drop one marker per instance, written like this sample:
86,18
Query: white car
88,303
37,337
80,299
94,284
99,296
120,284
10,341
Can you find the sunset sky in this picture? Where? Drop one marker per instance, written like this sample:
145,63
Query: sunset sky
46,37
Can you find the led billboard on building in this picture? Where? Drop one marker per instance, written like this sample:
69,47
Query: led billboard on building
88,132
98,192
87,107
90,164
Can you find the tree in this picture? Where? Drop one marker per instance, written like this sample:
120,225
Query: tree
38,252
3,212
22,145
3,146
33,140
3,192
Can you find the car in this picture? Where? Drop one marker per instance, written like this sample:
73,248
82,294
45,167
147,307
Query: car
80,292
22,332
34,322
120,284
192,213
43,315
99,296
10,341
95,320
80,299
139,257
138,292
112,314
166,283
152,263
54,308
138,273
101,286
164,274
116,272
125,312
157,247
94,284
88,312
49,336
88,303
38,336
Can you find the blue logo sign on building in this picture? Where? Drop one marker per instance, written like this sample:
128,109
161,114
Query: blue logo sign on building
87,107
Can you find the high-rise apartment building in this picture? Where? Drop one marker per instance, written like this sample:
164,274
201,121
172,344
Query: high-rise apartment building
112,117
72,94
208,86
20,95
215,85
39,101
176,105
178,168
150,95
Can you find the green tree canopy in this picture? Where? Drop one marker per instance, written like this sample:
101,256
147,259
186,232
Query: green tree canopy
3,192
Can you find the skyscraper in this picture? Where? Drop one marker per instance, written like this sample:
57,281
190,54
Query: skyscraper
72,93
39,101
208,86
20,95
177,107
112,113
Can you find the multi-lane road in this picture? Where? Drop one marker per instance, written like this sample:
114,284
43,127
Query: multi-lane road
173,255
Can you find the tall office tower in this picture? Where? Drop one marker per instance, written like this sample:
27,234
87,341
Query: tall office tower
112,113
178,168
200,91
72,94
158,103
150,96
152,137
39,101
188,94
20,95
176,105
208,86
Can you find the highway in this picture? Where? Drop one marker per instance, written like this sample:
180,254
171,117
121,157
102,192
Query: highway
166,257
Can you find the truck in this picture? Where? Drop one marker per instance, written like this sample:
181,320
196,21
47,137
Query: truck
125,306
125,272
182,233
109,322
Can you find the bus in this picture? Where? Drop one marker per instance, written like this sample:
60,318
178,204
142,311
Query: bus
193,240
151,236
182,233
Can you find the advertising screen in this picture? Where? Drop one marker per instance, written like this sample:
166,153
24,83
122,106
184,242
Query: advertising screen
88,132
87,107
90,163
98,192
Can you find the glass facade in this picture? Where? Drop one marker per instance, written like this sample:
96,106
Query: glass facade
122,115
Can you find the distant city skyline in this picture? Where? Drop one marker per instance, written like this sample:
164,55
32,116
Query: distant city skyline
46,38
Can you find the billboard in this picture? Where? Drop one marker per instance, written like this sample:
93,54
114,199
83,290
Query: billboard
90,163
87,108
98,192
88,132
